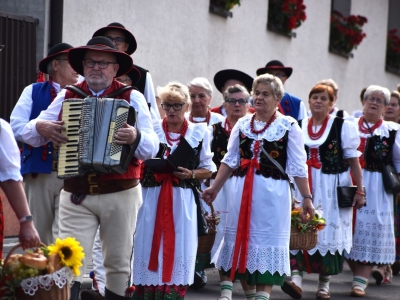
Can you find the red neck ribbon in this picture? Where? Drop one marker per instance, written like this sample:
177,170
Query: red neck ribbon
164,224
243,230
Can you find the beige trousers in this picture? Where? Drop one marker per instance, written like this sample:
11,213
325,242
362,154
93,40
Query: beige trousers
116,214
43,194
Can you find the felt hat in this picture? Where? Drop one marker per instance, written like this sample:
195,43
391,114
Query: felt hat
275,64
52,54
130,39
100,44
134,75
224,75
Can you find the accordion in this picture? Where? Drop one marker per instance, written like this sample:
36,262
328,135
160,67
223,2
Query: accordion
90,125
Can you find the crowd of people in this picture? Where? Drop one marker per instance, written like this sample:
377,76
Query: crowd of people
143,226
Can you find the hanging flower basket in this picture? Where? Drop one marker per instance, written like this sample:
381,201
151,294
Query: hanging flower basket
223,7
393,52
346,33
285,15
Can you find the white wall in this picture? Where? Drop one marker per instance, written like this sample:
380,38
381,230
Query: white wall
180,40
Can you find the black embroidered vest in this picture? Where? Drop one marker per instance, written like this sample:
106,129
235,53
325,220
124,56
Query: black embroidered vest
150,181
277,150
331,152
384,146
219,145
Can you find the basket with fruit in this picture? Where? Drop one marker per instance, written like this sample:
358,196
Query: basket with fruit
44,273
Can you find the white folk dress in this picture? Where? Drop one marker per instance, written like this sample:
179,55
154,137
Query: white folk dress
373,239
337,235
269,233
185,219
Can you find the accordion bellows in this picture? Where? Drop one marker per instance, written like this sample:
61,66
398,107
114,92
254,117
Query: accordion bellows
90,126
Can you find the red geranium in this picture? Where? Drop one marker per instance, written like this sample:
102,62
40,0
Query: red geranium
346,33
286,14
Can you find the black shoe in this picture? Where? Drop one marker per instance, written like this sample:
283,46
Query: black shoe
198,282
91,295
292,290
396,267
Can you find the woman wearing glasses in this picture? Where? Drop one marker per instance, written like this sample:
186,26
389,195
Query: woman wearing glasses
373,238
166,232
256,242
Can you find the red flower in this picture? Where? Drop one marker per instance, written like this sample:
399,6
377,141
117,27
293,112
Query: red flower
130,289
291,23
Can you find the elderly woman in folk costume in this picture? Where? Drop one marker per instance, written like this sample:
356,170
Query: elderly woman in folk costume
331,145
259,194
373,240
164,263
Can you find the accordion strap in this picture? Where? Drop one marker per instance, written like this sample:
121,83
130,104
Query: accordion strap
77,90
119,91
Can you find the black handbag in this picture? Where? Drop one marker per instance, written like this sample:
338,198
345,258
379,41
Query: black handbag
390,179
202,227
345,194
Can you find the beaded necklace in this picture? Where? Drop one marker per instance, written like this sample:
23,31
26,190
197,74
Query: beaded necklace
182,131
208,117
365,129
320,132
273,117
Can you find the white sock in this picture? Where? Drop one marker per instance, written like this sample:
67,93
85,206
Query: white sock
249,295
323,283
297,278
360,282
226,289
262,296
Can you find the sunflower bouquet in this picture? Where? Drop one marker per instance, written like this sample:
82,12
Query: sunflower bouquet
48,269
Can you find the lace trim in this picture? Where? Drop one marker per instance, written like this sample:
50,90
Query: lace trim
194,134
275,131
262,259
46,282
384,129
324,249
182,272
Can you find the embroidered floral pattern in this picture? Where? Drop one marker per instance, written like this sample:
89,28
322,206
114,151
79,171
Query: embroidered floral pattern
331,155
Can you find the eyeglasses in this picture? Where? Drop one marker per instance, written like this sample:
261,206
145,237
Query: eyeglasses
233,101
376,100
90,63
176,106
116,40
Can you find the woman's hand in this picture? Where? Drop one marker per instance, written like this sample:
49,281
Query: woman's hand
183,174
28,236
358,201
209,195
308,208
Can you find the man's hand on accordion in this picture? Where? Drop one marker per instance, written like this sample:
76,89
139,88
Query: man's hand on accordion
51,130
126,135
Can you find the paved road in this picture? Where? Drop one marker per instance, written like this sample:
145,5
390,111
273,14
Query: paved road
340,286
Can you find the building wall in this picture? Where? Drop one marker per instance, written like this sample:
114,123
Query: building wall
35,9
180,40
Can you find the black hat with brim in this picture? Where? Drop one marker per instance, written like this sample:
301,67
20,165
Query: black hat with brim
52,54
130,39
224,75
100,44
134,75
275,64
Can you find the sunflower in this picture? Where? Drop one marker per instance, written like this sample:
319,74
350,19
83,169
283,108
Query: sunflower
70,252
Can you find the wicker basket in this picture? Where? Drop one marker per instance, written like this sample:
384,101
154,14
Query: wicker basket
302,240
55,293
206,242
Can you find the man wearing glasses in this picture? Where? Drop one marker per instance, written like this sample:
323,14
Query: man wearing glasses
38,164
124,41
290,105
111,200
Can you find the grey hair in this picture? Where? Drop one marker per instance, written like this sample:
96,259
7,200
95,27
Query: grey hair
174,91
274,82
202,83
372,89
237,88
50,68
331,83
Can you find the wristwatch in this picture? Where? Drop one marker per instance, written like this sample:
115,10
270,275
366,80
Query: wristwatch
307,196
25,219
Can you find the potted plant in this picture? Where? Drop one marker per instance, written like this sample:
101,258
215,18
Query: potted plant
393,52
223,7
346,33
285,15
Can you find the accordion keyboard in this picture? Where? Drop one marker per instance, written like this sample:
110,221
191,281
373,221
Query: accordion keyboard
68,164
